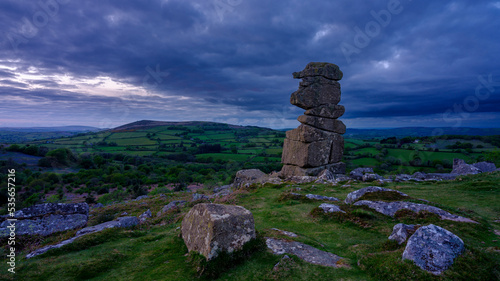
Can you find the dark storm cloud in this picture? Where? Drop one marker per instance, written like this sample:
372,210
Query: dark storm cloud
423,60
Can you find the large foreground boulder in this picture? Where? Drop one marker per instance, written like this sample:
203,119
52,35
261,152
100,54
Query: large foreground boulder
210,228
433,248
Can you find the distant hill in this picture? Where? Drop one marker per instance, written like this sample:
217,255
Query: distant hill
419,132
50,129
145,124
18,135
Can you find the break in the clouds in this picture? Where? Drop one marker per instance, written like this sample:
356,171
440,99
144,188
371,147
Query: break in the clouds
106,63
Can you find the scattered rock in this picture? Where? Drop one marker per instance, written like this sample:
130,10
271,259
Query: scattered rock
390,209
120,222
462,168
171,205
330,208
145,216
485,167
141,197
45,219
210,228
355,195
433,248
98,205
371,177
248,177
284,232
402,231
124,214
321,197
304,252
199,197
358,173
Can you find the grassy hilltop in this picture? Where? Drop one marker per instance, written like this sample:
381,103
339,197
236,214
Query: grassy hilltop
154,251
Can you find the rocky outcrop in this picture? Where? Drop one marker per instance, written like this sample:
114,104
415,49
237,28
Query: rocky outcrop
303,251
462,168
317,144
355,195
210,228
401,232
120,222
286,233
433,248
45,219
390,209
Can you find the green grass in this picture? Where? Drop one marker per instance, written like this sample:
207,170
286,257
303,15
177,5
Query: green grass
223,156
155,252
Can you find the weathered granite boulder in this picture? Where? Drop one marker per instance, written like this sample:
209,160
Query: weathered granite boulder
390,209
433,248
316,94
327,70
462,168
172,205
355,195
330,208
401,232
304,252
46,219
124,222
210,228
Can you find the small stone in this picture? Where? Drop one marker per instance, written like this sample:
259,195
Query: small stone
145,216
172,205
402,231
330,208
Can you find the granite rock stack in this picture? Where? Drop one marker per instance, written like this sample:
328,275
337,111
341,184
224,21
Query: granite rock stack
317,144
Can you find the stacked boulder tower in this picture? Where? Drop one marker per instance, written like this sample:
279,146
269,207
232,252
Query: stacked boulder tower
317,144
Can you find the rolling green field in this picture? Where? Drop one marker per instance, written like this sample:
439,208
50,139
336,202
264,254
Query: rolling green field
259,145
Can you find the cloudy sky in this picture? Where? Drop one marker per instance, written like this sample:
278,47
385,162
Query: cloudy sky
105,63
